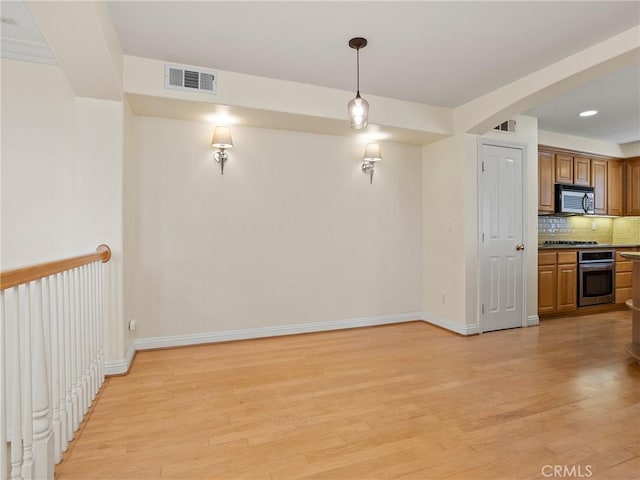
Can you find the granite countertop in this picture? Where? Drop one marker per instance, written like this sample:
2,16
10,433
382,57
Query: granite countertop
582,247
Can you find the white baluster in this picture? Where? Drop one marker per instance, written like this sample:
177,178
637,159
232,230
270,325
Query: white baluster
13,308
94,328
42,439
54,327
24,323
73,348
86,345
81,343
101,268
68,378
4,467
61,355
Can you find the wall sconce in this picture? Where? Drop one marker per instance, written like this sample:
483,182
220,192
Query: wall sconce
371,156
222,140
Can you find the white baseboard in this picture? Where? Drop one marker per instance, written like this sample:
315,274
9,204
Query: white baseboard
273,331
468,329
533,320
121,367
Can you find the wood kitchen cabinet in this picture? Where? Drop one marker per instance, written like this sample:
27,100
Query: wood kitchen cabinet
616,182
599,184
572,170
557,281
567,281
564,169
547,281
615,187
582,171
624,274
546,193
632,186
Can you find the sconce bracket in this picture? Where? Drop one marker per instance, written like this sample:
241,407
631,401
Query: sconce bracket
221,156
369,168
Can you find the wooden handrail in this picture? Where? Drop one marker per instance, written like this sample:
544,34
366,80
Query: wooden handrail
18,276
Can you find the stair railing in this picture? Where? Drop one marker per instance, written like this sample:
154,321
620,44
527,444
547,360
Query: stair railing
51,359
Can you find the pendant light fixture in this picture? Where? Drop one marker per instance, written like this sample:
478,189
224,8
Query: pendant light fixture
358,108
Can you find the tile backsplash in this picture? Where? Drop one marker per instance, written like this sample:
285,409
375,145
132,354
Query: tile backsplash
619,230
626,230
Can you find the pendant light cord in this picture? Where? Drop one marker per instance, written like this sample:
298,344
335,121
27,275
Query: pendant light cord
358,72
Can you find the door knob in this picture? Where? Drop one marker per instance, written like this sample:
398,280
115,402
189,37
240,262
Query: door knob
520,246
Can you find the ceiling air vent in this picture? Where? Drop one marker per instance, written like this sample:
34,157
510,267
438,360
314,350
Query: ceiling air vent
508,126
190,79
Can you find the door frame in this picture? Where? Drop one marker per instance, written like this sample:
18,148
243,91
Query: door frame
524,149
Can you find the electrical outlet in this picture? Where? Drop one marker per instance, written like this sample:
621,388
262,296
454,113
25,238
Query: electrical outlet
444,298
132,325
593,226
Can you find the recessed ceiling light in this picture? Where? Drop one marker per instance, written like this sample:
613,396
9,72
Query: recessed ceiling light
588,113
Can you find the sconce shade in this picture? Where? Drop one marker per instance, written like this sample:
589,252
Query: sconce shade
222,138
372,153
358,109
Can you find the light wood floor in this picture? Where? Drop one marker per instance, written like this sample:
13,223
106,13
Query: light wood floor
399,401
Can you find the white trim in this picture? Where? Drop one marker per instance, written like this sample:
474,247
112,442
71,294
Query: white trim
273,331
121,366
27,51
468,329
533,320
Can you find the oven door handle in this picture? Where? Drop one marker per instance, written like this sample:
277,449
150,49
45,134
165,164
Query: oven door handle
595,266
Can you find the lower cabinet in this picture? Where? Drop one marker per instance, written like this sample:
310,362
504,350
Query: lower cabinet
557,281
547,290
624,274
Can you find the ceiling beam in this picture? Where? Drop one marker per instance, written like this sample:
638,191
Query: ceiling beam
483,113
83,40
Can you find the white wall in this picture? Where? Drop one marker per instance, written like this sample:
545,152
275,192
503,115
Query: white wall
291,233
98,197
37,164
582,144
61,178
443,171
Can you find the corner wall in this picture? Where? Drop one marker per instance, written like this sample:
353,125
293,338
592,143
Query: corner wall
37,165
450,227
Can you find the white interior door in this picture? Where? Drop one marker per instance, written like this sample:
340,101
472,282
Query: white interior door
501,237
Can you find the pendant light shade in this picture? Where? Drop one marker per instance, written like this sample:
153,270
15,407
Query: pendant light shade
358,112
358,108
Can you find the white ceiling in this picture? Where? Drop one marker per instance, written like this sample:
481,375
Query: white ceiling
437,53
615,97
21,38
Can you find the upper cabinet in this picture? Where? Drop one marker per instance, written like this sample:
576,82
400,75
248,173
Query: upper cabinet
599,183
615,182
582,171
572,170
546,194
564,169
615,187
633,186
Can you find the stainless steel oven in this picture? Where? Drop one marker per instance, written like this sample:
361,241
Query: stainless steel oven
596,277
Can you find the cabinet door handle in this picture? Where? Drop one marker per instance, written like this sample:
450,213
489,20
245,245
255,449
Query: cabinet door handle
520,246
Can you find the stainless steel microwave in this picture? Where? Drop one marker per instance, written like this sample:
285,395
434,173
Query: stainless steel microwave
574,199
